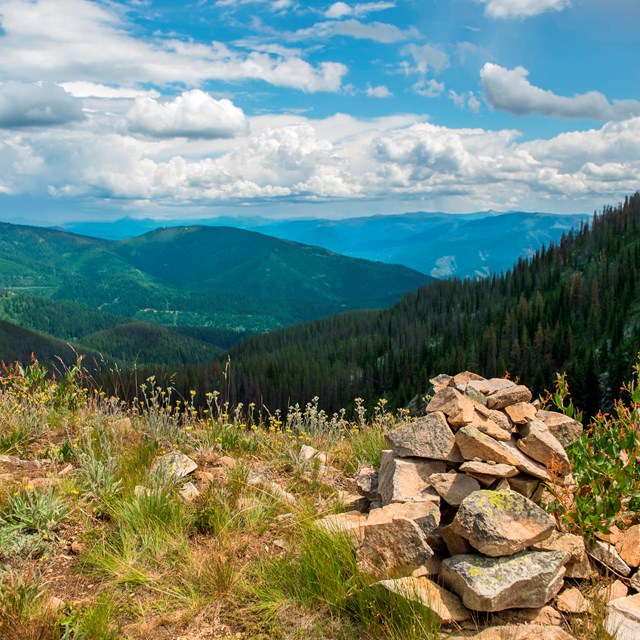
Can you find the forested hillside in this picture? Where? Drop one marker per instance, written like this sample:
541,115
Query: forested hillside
574,307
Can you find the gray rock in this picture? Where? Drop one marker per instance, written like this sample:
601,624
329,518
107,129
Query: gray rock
367,483
565,429
428,437
407,479
501,523
526,580
491,386
623,619
578,565
606,554
175,464
453,487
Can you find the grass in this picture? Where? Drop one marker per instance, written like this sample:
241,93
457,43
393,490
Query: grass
241,557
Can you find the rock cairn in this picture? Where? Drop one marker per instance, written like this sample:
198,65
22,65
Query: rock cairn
453,519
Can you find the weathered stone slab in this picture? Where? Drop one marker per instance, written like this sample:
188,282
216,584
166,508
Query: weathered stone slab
572,601
545,616
367,482
483,421
528,579
458,408
456,544
521,412
427,437
501,523
613,591
519,632
460,380
453,487
175,464
623,619
510,395
407,479
540,444
565,429
487,469
475,444
351,522
425,514
606,554
524,463
491,386
445,606
524,485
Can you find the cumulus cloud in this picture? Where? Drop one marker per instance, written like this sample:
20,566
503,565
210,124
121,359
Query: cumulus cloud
522,8
341,9
426,58
376,31
36,105
510,90
380,91
194,114
77,40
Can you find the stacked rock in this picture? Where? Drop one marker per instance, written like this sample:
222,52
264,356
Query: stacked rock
455,497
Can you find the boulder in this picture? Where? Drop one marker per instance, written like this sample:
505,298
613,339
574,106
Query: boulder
501,523
427,437
528,579
501,419
541,445
458,408
524,463
425,514
606,554
628,546
175,464
521,412
351,522
491,386
578,565
456,544
460,380
453,487
487,469
475,444
407,479
444,605
623,618
508,396
565,429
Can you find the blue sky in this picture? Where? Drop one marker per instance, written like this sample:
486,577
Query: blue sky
329,109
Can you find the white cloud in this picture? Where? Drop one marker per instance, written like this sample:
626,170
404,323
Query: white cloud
466,99
36,105
194,114
426,58
376,31
380,91
522,8
77,40
510,90
429,89
341,9
85,89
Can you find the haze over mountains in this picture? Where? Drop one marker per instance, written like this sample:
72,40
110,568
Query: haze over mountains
438,244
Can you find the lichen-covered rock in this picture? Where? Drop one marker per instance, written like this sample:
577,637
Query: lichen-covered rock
175,464
444,605
501,523
475,444
528,579
510,395
428,437
565,429
407,479
540,444
453,487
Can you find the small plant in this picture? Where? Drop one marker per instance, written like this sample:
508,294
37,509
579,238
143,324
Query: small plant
93,622
32,511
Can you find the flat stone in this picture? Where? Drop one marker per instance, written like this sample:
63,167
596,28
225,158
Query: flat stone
540,444
407,479
189,492
483,421
474,395
565,429
485,481
427,437
391,543
545,616
521,412
519,632
501,523
352,501
175,464
613,591
528,579
501,419
444,605
491,386
606,554
510,395
578,565
628,546
572,601
367,482
623,619
495,470
453,487
463,378
351,522
524,485
475,444
441,380
453,404
524,463
425,514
